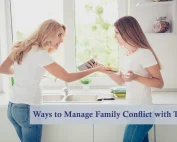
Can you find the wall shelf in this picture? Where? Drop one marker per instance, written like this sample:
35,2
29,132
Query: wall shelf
142,4
147,11
160,34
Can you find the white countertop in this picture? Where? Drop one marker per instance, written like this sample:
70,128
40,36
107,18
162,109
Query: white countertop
157,97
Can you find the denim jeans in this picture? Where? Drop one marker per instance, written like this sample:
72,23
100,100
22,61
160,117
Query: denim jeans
19,116
137,133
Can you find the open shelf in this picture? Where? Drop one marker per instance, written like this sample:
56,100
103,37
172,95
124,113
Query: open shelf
160,34
147,12
142,4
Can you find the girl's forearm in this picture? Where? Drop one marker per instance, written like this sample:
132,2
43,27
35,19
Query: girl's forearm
151,82
117,78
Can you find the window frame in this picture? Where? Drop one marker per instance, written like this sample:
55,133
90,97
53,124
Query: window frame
6,40
69,43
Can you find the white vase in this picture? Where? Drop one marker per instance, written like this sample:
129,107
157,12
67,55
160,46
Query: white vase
85,86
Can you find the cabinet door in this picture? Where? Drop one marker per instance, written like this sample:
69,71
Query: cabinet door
151,134
166,133
75,133
108,133
7,131
51,133
113,133
67,133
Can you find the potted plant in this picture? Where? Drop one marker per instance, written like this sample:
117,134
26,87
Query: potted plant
85,82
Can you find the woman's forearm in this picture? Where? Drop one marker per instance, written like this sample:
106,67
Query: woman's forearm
151,82
6,71
5,67
117,78
78,75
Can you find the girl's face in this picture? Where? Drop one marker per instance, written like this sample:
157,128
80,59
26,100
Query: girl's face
58,39
118,37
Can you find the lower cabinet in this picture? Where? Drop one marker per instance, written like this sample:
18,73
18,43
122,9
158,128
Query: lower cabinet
87,133
114,133
68,133
108,133
7,131
166,133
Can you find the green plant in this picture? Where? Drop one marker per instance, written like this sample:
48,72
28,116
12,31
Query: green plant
12,81
85,80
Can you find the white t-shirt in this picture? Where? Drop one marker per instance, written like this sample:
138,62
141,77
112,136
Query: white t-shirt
27,77
137,93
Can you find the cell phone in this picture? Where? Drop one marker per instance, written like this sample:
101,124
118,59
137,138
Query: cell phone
84,65
113,70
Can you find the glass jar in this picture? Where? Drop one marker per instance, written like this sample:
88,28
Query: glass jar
156,0
161,0
161,25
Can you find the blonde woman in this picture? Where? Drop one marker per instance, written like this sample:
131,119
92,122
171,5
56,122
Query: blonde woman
31,59
139,70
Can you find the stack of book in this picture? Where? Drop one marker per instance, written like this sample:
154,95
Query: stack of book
119,92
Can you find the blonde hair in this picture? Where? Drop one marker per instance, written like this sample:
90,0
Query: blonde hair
132,33
40,38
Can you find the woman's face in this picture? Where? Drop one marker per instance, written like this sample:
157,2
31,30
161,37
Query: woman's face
58,39
118,37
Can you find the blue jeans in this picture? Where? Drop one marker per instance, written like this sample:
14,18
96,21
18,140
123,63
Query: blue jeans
137,133
19,116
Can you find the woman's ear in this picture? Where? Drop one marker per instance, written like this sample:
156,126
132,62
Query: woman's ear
47,44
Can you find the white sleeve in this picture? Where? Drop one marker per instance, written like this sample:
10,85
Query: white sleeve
148,59
43,58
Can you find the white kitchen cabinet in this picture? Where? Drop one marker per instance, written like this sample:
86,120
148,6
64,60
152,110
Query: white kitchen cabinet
68,133
7,131
166,133
113,133
151,134
108,133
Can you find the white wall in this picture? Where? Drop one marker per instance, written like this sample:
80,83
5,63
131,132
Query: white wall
165,47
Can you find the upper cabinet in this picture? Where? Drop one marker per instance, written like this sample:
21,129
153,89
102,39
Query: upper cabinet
155,16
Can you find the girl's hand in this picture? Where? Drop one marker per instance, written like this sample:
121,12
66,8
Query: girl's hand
128,77
100,68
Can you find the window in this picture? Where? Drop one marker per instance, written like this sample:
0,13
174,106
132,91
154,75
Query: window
95,31
28,15
90,31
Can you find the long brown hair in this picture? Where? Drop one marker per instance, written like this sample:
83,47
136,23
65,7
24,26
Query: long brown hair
40,38
132,33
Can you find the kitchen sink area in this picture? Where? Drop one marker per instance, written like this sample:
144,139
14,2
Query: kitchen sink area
81,98
77,97
52,98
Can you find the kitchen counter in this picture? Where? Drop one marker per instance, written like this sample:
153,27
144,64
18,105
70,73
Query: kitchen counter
157,97
89,132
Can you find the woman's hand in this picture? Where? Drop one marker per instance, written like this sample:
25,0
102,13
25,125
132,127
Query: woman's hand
100,68
129,76
92,65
